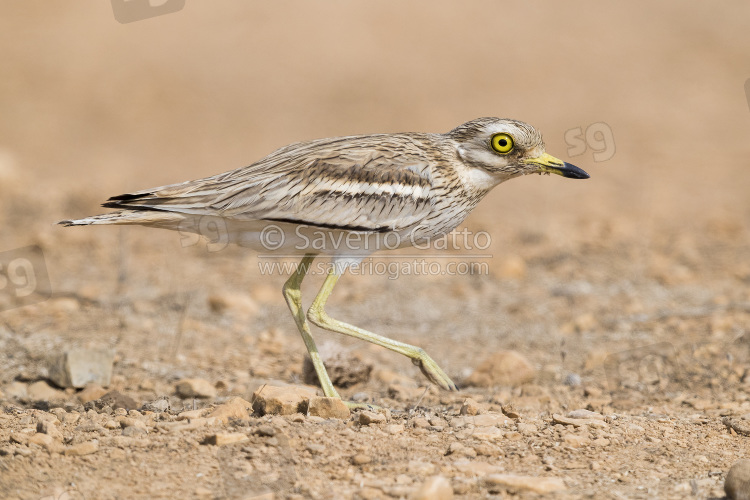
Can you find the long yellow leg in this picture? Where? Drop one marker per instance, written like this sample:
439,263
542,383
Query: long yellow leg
317,315
293,296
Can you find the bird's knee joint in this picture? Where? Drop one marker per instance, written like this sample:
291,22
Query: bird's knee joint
316,315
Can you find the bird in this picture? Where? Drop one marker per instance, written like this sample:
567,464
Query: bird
380,191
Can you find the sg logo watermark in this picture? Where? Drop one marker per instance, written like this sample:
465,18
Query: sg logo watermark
23,277
129,11
598,137
648,369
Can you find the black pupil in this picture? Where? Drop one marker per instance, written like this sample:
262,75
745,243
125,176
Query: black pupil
503,142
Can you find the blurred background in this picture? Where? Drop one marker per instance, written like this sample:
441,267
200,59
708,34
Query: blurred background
650,101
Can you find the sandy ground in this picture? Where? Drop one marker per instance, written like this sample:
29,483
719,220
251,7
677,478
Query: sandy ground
627,294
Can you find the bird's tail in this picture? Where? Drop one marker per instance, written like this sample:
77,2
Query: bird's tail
148,217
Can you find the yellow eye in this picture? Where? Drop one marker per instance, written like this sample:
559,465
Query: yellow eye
502,143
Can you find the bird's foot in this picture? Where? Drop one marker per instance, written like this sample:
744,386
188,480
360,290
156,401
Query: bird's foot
433,372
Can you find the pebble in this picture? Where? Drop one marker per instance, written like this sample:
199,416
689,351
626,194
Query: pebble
81,449
42,391
48,427
470,407
516,483
737,483
90,393
134,431
115,400
80,366
361,459
225,438
327,408
504,368
395,429
285,400
420,423
158,405
434,488
266,431
578,422
585,414
15,390
370,417
420,468
235,408
575,441
489,419
195,388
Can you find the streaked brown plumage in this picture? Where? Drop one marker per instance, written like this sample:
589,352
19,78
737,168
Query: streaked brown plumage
412,185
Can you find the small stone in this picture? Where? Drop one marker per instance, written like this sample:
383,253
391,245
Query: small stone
327,407
344,368
19,437
585,414
470,407
265,431
487,419
420,423
42,391
578,422
315,448
91,392
47,442
371,417
575,441
737,483
48,427
134,431
158,405
572,380
225,438
79,366
235,408
115,400
526,429
111,425
195,388
434,488
395,429
81,449
504,368
487,433
420,468
15,390
285,400
514,483
361,459
459,450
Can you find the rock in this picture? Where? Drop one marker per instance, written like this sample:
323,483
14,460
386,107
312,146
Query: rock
420,468
327,407
285,400
195,388
224,438
460,450
79,366
504,368
265,431
344,367
19,437
80,449
526,428
420,423
514,483
238,304
470,407
435,488
115,400
236,408
487,433
737,483
585,414
158,405
575,441
487,419
578,422
371,417
15,390
47,442
133,431
572,380
395,429
90,393
48,427
42,391
315,448
361,459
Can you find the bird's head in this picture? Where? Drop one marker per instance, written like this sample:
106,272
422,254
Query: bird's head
508,148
